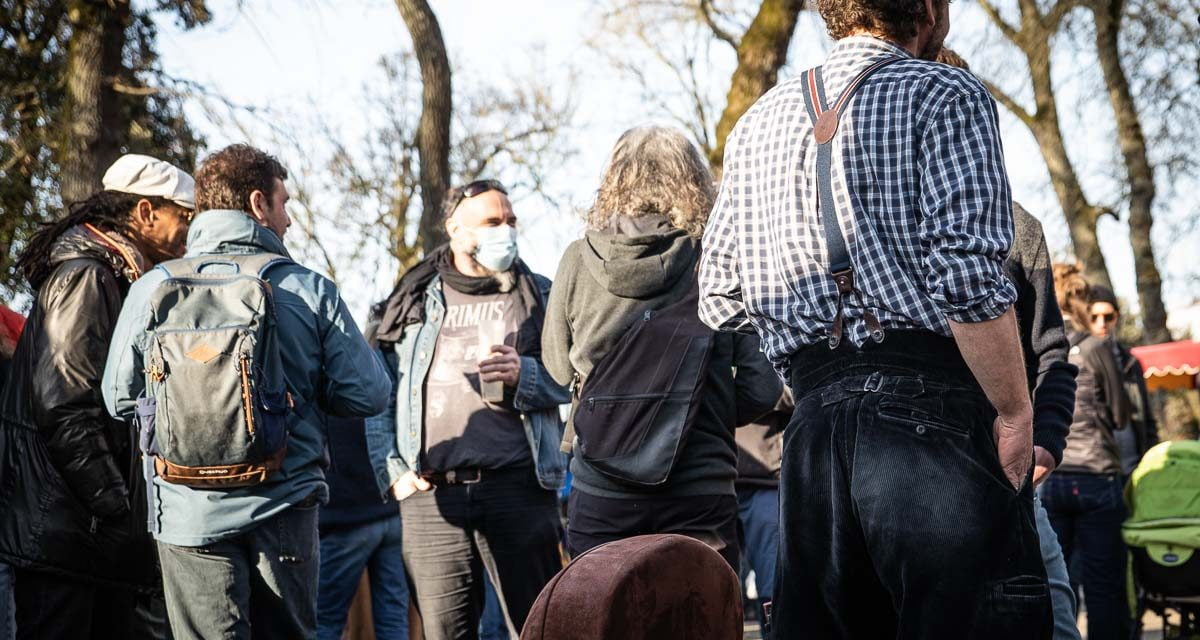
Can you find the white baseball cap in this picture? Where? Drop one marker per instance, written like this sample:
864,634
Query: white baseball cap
147,176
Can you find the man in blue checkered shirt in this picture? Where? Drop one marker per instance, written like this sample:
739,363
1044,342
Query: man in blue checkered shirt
905,489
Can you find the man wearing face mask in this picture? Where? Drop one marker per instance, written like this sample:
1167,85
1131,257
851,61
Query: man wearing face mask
469,442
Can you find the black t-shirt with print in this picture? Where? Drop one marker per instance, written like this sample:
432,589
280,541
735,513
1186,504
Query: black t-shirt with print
461,430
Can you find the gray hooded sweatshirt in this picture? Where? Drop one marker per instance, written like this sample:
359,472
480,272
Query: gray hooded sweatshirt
605,282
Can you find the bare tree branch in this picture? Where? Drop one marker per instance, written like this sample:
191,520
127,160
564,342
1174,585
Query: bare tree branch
1059,11
1010,32
1009,103
706,12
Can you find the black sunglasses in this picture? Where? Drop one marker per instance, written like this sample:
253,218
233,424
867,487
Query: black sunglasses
475,188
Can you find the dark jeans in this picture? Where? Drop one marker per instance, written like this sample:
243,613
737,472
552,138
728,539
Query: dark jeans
492,626
897,520
595,520
758,511
1086,511
8,628
506,525
345,552
260,584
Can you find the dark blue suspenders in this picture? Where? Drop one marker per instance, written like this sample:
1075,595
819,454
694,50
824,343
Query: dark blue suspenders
825,125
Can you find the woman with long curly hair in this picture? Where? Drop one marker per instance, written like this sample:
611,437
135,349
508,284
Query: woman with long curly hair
639,256
1084,496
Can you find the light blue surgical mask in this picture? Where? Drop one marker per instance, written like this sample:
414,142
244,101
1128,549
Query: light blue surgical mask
496,247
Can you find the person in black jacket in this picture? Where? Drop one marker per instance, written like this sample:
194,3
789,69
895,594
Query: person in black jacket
639,255
72,511
1104,313
760,455
1052,383
1084,497
9,334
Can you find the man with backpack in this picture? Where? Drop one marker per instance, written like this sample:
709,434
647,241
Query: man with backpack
470,440
224,359
861,229
72,505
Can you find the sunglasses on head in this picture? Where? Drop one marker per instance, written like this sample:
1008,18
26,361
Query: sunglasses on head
1107,317
475,188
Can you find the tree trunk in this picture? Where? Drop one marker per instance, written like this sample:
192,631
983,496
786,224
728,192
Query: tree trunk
761,51
433,132
114,121
80,175
1033,38
1137,166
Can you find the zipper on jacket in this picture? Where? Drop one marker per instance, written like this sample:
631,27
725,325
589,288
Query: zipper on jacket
244,363
632,397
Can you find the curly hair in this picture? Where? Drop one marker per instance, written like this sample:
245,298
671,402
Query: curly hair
226,179
1073,293
894,19
655,170
950,56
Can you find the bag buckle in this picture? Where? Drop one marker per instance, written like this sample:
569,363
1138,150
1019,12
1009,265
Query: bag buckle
874,382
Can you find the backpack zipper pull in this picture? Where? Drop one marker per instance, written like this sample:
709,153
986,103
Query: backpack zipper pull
155,370
646,316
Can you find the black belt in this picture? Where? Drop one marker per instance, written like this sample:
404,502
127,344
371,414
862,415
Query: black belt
454,476
926,353
475,475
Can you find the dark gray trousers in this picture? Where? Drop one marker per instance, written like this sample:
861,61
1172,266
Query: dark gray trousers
260,584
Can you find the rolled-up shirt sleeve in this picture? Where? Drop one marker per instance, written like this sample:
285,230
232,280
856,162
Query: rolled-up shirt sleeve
967,225
721,305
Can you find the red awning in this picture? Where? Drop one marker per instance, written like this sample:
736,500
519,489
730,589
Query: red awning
1171,365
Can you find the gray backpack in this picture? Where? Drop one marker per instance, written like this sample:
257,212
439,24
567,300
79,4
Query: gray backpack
216,407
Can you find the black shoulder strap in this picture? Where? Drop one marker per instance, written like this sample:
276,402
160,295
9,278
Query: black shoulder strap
825,122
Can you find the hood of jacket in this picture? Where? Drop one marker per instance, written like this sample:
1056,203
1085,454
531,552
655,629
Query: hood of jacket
639,257
223,231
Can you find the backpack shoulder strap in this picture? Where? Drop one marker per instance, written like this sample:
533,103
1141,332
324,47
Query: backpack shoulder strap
825,121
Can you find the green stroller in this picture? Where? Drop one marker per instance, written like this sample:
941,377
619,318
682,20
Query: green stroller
1163,533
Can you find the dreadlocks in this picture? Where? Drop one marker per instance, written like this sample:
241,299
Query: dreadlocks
108,210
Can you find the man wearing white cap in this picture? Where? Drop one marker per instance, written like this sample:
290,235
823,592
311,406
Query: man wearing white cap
72,512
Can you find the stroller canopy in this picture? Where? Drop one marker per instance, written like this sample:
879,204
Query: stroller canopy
1164,501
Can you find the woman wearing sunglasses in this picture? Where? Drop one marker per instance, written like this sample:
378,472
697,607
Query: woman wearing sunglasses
1084,496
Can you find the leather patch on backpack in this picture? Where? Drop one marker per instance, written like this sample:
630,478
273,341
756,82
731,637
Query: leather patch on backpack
219,477
202,353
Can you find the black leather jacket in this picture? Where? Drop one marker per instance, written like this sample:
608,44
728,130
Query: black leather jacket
1100,408
66,467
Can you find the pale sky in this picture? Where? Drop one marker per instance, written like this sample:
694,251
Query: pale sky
304,56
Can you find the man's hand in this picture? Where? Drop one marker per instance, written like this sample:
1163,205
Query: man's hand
503,365
1014,445
408,484
1043,464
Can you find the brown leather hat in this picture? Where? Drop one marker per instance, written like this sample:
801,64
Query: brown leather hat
658,587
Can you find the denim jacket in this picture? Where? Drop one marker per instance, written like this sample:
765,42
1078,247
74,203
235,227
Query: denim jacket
395,437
